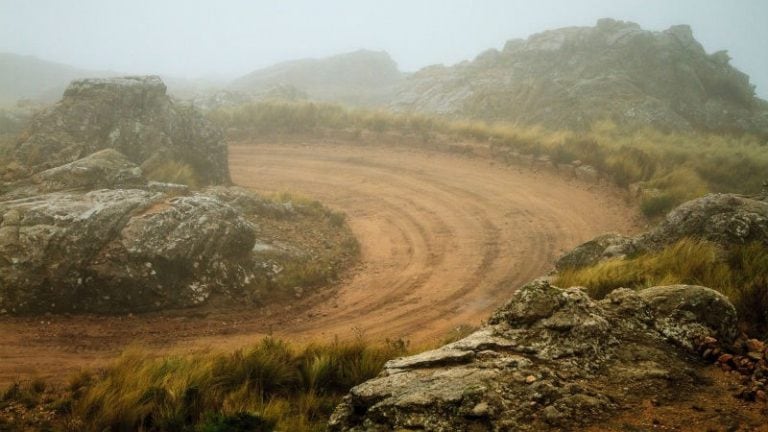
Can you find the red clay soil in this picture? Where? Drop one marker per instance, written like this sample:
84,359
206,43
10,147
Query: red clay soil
445,239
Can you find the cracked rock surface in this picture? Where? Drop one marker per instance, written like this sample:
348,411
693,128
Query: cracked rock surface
550,358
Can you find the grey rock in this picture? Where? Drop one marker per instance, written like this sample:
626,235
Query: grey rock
549,359
686,313
725,219
721,218
132,115
600,248
121,250
105,169
587,173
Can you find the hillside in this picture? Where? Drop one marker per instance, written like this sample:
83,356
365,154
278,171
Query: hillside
575,76
27,77
42,81
361,77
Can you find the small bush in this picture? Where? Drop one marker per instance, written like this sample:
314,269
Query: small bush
173,172
238,422
657,205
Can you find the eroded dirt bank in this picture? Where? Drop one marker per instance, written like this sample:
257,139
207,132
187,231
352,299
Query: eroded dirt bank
444,239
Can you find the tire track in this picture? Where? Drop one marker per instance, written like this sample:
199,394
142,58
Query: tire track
438,190
444,241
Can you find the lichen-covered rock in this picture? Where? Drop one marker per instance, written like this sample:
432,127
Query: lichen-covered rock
720,218
121,250
725,219
603,247
686,313
549,359
105,169
132,115
573,77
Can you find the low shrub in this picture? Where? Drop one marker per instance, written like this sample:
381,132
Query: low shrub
173,172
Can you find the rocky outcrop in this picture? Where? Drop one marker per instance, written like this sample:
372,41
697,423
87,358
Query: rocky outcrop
549,359
725,219
125,246
132,115
95,236
556,359
91,234
573,77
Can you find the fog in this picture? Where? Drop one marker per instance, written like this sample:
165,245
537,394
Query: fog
229,38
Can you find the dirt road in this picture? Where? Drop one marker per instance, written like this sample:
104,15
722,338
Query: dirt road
444,239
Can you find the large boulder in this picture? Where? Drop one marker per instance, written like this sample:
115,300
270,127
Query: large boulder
724,219
132,115
85,231
550,359
118,250
721,218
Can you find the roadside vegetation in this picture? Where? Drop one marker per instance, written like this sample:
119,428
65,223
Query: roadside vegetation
271,386
739,272
173,172
660,169
309,245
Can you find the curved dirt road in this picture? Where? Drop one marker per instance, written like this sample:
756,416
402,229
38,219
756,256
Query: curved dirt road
444,240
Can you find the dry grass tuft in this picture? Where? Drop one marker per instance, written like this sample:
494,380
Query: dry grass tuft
665,168
740,273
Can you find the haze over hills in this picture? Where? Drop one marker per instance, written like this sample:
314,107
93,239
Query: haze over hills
26,77
361,77
42,81
166,266
565,78
573,77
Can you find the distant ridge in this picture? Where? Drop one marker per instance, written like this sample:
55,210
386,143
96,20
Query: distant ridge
28,77
575,76
361,77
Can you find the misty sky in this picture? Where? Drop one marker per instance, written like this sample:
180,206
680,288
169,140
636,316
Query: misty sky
227,38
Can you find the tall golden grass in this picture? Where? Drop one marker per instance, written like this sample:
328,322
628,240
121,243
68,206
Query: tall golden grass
271,386
174,172
739,272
